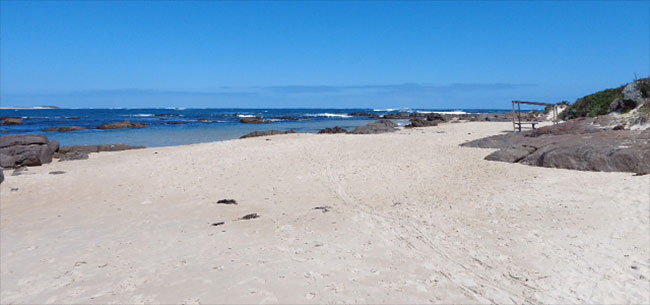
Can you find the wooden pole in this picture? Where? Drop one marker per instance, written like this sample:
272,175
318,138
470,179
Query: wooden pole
519,115
514,127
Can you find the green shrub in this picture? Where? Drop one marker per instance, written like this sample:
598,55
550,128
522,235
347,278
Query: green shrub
592,105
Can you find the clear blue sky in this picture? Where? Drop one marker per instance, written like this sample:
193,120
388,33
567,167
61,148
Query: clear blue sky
317,54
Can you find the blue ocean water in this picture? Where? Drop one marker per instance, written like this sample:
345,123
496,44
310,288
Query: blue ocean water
198,125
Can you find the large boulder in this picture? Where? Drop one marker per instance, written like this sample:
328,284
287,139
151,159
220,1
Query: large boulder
25,150
580,144
11,121
121,125
381,126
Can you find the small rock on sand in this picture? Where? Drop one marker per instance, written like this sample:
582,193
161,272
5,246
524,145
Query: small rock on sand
250,216
227,201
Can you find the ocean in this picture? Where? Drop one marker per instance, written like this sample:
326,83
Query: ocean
170,127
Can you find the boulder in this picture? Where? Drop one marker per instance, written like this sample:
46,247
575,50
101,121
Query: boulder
421,123
381,126
25,150
12,121
265,133
121,125
253,120
64,129
336,129
622,105
580,144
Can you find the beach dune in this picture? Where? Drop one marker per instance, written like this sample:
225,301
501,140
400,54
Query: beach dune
404,217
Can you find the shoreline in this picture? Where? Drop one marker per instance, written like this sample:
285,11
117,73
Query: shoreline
138,225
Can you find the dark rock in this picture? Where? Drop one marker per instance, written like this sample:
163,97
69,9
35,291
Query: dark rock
72,117
24,150
622,105
364,114
54,145
13,140
254,120
398,116
381,126
580,144
2,175
175,123
121,125
421,123
512,154
250,216
336,129
323,209
227,201
56,172
216,224
12,121
265,133
75,155
96,148
64,129
618,127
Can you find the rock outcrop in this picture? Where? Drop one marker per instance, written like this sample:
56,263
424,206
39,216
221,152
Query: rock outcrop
336,129
381,126
80,152
580,144
12,121
96,148
64,129
254,120
364,114
122,125
25,150
265,133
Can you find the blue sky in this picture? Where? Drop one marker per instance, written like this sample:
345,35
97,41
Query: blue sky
317,54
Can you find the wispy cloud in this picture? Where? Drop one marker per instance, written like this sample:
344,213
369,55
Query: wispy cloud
403,94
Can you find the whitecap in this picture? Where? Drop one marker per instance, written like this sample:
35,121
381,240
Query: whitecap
329,115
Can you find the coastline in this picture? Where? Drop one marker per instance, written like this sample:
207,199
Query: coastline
412,217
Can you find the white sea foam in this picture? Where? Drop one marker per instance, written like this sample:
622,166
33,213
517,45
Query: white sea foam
329,115
246,115
142,115
393,109
444,112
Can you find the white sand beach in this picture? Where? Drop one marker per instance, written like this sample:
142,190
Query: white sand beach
411,218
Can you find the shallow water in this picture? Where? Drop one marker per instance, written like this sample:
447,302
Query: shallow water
163,129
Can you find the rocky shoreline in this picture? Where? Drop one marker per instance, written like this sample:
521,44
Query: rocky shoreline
588,144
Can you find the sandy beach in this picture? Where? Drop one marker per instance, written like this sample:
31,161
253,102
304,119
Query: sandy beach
405,217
